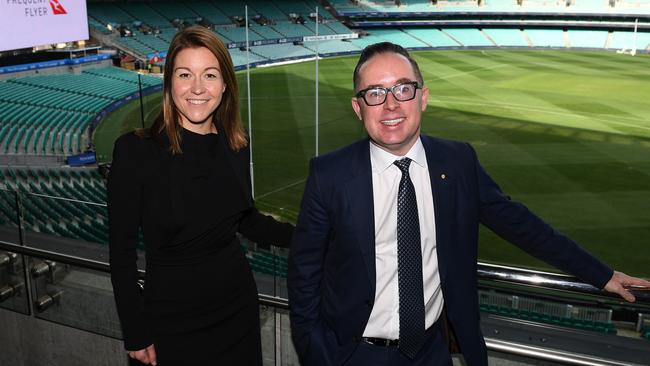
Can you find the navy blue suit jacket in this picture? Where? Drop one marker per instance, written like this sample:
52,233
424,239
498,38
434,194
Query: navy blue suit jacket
332,259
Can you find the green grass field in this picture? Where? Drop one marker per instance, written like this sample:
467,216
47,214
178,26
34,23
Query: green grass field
567,133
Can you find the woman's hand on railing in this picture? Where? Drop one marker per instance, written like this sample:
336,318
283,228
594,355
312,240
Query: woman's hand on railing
147,355
621,284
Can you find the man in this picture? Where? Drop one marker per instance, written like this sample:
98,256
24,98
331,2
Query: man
387,235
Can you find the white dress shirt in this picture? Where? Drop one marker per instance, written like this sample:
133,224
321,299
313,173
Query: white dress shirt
384,318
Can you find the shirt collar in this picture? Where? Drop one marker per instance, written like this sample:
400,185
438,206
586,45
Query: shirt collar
380,159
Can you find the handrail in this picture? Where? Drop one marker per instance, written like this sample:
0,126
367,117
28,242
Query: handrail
493,272
485,271
519,276
551,355
548,280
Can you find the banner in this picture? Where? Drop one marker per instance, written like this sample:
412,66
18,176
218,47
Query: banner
29,23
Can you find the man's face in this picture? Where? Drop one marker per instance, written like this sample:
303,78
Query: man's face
393,126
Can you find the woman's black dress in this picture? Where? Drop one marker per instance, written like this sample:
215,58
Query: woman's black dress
200,300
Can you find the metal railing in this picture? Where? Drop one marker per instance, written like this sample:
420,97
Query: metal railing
489,276
489,272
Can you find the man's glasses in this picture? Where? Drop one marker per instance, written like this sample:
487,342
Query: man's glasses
403,92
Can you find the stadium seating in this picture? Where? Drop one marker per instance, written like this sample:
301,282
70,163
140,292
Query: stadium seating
209,12
546,37
144,13
506,37
555,313
239,57
47,214
432,37
282,51
108,13
398,37
332,47
44,115
500,5
81,214
238,34
345,7
469,37
288,29
227,17
587,38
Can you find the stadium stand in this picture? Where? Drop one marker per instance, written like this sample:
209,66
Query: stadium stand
268,21
71,203
239,57
468,37
398,37
432,37
546,37
332,47
555,313
50,114
587,38
144,13
209,11
506,37
288,29
366,7
237,34
44,213
281,51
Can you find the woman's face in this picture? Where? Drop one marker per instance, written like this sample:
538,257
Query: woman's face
197,88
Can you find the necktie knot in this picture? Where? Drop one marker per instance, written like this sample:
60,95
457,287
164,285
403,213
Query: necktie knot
403,165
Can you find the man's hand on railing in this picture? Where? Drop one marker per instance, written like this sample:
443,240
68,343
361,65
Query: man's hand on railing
147,355
621,284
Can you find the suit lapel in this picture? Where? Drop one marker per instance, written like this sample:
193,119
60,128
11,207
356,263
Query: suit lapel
359,194
444,197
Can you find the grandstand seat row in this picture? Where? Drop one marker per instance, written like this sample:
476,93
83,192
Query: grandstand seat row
50,114
70,202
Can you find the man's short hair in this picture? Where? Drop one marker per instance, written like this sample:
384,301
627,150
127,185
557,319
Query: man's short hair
379,48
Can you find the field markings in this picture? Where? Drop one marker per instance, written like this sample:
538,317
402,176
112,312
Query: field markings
541,110
281,188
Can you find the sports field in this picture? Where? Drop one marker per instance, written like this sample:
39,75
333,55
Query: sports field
567,133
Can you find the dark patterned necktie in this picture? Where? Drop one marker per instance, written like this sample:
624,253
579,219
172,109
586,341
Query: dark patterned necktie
409,266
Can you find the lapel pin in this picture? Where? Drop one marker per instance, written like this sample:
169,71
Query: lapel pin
443,176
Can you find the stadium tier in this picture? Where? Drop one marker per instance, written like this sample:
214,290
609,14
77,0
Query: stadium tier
50,114
70,203
362,8
281,51
44,213
433,37
506,37
268,20
470,37
546,37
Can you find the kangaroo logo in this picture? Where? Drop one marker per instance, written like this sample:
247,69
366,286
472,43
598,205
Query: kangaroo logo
57,8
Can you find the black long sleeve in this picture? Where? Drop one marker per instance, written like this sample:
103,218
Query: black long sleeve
125,191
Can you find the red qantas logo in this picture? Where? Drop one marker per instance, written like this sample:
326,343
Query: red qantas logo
57,8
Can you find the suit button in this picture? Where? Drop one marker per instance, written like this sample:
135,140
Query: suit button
356,339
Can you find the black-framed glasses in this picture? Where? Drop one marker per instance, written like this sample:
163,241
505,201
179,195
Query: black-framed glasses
376,95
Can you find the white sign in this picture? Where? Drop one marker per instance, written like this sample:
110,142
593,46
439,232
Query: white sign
329,37
29,23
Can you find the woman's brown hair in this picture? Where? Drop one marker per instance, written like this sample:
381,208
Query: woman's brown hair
226,116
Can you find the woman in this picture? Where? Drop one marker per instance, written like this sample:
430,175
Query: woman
185,182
